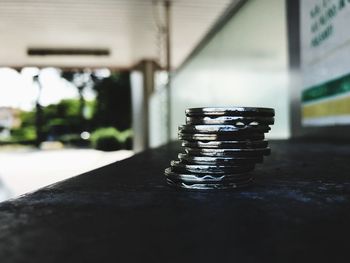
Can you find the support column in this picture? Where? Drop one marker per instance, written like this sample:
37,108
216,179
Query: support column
167,6
142,86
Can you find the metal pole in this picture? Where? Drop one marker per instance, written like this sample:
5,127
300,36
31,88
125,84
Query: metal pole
167,5
38,113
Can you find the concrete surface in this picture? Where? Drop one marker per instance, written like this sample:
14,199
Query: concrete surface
24,170
297,211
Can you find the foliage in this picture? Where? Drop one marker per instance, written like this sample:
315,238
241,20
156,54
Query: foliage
23,134
65,120
73,140
90,106
26,132
66,108
58,119
27,118
113,102
109,139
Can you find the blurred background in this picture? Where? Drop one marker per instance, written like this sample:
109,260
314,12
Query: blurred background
86,83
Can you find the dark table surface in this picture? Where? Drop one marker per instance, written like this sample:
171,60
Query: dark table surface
297,211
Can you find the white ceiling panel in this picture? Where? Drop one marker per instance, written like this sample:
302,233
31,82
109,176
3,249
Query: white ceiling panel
128,28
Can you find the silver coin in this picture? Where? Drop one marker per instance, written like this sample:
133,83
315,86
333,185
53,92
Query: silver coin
208,178
230,111
220,137
247,144
187,128
177,166
238,121
228,152
208,186
222,146
220,160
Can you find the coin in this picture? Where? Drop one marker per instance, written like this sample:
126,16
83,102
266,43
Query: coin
209,186
177,166
230,111
205,178
244,144
218,129
238,121
219,160
227,152
220,137
222,147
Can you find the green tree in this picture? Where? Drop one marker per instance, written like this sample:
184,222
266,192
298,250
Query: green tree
113,102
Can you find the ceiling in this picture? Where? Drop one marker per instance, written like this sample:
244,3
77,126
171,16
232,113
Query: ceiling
129,29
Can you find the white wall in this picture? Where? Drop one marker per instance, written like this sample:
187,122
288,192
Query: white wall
245,64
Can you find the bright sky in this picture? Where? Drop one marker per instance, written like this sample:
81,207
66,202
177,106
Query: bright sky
18,90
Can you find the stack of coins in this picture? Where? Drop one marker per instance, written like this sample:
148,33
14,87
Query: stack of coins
222,146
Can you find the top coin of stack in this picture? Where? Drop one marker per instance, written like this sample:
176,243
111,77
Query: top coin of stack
222,145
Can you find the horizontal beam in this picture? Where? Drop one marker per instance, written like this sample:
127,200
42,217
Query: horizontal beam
68,52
